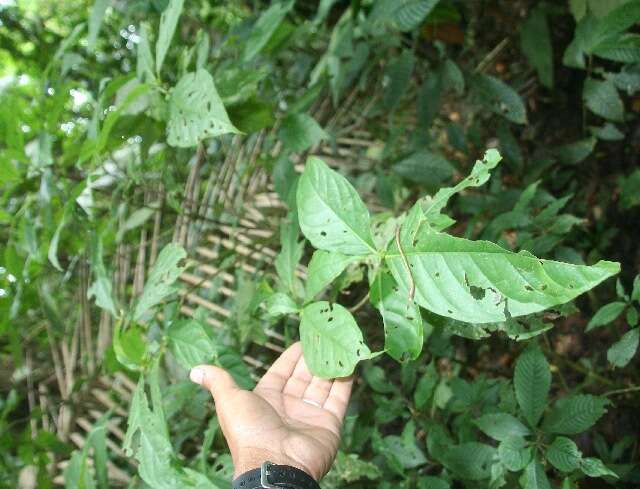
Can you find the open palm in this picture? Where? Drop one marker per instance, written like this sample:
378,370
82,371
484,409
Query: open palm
290,418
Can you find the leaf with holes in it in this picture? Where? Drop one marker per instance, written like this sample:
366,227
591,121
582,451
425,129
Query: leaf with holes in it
575,414
332,215
331,340
532,380
324,268
563,454
196,111
403,330
428,210
161,281
480,282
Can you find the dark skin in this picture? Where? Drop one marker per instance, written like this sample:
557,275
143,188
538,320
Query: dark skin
290,418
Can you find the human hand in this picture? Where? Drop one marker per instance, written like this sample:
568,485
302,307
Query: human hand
290,418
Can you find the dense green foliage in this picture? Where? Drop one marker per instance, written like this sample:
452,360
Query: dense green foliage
457,177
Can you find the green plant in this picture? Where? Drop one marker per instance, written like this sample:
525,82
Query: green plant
125,126
411,264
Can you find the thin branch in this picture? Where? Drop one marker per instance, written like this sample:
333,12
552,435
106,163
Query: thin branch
360,303
615,392
412,283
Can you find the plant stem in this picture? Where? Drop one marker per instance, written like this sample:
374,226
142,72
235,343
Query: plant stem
634,388
412,284
360,303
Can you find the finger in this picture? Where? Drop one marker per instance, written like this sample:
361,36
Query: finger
282,369
299,380
339,395
217,380
317,391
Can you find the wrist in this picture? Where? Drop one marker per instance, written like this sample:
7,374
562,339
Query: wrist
252,458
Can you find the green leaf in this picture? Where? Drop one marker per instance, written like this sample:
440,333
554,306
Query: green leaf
430,482
300,132
603,99
532,380
290,253
144,61
129,346
331,340
404,15
280,304
397,77
575,414
332,216
617,20
190,343
161,281
563,454
501,426
101,288
573,153
403,330
469,460
578,8
536,44
196,111
622,351
265,27
624,49
534,476
452,76
500,98
432,206
136,219
168,23
95,21
606,314
629,197
403,452
349,468
77,474
323,10
593,467
52,254
480,282
425,167
324,268
635,294
514,453
426,387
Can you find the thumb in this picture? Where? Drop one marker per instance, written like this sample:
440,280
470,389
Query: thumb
217,380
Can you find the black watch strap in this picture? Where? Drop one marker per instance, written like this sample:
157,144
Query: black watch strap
272,476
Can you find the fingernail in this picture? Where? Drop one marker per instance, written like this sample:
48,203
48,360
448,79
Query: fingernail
196,375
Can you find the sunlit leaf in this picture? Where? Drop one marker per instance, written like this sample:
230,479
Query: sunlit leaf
332,216
331,340
196,111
